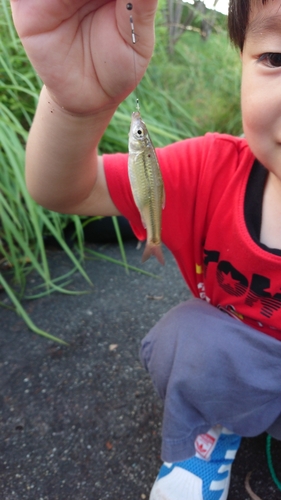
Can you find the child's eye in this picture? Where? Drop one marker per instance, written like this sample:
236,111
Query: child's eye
271,59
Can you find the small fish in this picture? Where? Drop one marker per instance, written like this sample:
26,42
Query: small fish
147,185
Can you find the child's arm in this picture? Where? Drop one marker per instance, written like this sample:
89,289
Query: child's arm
83,52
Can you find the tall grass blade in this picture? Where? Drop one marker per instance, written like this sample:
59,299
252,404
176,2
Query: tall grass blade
120,242
20,310
102,256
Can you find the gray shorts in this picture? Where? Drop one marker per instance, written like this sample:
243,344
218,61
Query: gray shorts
209,369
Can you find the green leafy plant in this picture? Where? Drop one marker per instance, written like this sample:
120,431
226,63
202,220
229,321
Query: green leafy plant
23,224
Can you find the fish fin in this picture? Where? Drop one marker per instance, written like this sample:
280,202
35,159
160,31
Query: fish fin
143,221
155,250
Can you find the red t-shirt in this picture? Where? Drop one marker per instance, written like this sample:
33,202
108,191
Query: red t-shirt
203,224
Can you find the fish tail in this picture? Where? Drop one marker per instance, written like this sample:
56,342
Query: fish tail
155,250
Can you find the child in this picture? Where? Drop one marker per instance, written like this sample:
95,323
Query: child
215,362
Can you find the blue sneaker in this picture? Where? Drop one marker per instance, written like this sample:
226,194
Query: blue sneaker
206,476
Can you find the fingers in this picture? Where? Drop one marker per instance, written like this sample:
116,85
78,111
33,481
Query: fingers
32,17
75,44
143,14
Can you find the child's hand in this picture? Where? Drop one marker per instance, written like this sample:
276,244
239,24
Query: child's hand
83,50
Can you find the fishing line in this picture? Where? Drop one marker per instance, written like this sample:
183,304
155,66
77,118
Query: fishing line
129,6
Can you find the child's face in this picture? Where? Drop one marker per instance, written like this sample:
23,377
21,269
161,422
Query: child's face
261,84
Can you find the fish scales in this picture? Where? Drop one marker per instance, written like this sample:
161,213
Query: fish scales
147,179
147,185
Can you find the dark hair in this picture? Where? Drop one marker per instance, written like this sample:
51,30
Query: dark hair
238,18
238,15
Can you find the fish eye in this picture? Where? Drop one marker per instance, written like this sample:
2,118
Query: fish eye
140,132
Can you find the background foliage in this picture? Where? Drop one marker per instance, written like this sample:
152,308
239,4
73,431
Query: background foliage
192,91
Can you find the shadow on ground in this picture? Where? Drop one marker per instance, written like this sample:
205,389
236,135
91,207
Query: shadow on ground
83,421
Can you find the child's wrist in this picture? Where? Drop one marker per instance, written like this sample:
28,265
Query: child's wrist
55,107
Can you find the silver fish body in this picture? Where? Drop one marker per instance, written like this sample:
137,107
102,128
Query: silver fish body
147,185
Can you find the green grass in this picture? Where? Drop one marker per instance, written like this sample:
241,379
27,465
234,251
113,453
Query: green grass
23,224
195,92
212,71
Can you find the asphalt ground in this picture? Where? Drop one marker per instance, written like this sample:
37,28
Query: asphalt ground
83,421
